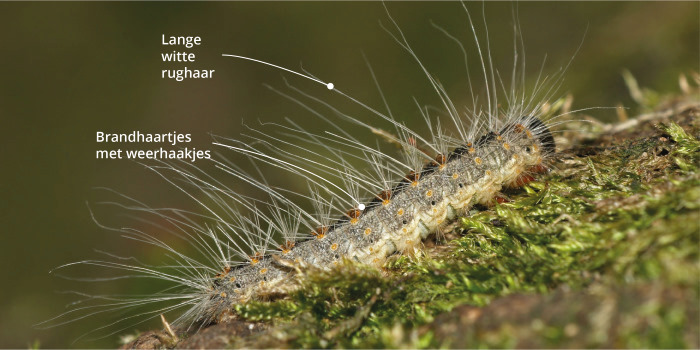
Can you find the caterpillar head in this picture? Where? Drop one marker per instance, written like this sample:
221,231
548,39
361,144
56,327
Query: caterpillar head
533,142
533,137
541,134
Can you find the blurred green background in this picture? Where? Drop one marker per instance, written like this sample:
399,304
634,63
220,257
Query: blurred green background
71,69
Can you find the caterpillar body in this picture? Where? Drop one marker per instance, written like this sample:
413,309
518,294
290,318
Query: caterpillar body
256,247
398,219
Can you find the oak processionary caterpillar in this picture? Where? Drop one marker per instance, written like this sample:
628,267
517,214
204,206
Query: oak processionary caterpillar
255,247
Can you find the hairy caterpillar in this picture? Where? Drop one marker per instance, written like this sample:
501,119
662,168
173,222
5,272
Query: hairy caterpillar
256,247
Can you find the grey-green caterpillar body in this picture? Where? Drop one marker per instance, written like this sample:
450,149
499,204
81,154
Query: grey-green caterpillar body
256,247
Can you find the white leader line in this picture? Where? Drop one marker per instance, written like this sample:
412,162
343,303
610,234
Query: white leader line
330,86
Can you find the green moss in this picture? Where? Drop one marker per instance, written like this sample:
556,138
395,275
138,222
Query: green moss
620,221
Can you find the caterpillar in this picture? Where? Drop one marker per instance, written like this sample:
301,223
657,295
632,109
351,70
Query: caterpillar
258,247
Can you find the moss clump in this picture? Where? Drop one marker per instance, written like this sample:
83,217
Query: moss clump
603,252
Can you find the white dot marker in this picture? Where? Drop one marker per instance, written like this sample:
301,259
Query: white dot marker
361,206
330,86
